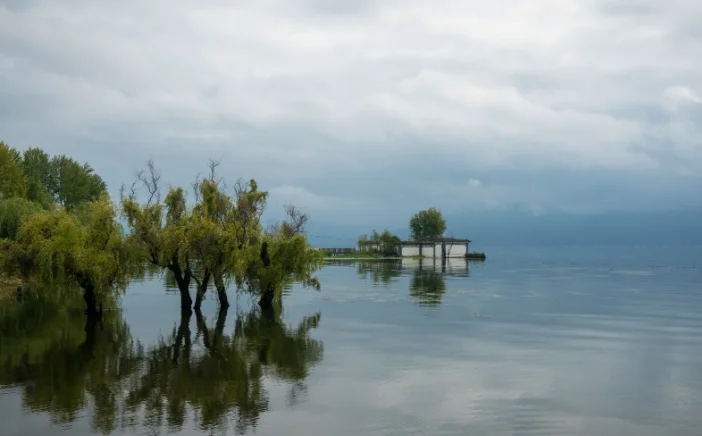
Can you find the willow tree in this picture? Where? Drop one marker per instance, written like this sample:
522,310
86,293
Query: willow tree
285,257
219,240
13,211
58,248
159,230
225,233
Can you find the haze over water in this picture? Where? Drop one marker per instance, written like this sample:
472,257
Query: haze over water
562,341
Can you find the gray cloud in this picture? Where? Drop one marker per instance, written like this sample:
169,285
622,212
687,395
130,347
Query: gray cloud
369,110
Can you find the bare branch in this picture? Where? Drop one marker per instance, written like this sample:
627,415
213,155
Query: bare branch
298,219
132,189
196,188
272,228
214,164
240,188
151,182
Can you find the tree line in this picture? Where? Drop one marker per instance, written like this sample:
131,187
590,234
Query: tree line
58,225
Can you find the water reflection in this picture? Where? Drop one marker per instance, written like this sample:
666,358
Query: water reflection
64,364
427,287
379,272
71,369
528,346
224,376
458,267
421,280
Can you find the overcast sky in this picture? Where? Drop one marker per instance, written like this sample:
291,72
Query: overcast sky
364,111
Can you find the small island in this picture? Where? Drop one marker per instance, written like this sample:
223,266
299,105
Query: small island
427,240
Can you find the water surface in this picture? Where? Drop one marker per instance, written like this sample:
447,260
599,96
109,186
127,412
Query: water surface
567,341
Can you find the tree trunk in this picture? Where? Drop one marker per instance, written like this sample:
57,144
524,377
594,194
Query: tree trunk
91,302
186,300
221,293
201,289
266,301
183,281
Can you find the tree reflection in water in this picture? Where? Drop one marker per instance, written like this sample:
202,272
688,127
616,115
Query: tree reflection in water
427,286
379,271
67,367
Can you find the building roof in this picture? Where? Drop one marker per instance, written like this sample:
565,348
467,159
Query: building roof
435,241
439,240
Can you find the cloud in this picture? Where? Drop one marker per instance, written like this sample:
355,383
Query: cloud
474,183
280,196
677,96
369,104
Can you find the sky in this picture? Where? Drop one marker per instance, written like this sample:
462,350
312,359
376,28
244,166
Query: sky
363,112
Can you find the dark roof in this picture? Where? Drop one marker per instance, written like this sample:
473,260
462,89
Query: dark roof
438,240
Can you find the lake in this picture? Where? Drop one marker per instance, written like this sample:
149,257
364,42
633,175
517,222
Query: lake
547,341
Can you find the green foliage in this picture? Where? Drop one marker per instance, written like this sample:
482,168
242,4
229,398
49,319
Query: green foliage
158,232
361,241
13,182
292,259
55,247
12,213
388,242
379,243
285,257
37,177
219,239
41,176
74,183
427,225
226,231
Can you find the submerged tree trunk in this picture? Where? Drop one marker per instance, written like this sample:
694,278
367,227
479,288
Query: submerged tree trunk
266,300
201,289
183,281
221,292
91,308
267,294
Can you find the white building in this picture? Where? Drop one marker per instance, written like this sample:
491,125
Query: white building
439,248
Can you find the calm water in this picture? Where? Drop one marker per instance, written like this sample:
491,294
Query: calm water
568,341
